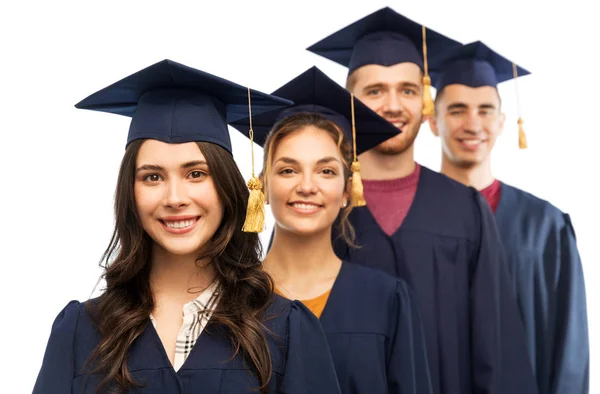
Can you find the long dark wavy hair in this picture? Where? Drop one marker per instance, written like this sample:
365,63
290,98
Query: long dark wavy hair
297,122
122,312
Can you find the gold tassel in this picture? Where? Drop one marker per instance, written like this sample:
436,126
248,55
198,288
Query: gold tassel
428,106
522,137
357,198
255,213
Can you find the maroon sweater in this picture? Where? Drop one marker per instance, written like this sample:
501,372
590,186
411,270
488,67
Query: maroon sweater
390,200
492,194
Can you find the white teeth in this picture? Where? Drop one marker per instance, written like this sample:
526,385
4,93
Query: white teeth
399,125
180,223
471,142
304,206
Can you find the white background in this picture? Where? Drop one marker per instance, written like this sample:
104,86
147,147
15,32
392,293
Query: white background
59,165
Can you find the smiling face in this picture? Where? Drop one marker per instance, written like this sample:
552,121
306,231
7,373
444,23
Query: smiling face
468,121
176,199
395,93
306,182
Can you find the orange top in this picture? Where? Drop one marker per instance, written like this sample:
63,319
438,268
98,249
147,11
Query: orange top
315,305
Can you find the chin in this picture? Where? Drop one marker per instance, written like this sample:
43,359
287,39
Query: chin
306,231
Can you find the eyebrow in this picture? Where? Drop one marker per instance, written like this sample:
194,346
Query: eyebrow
154,167
325,160
463,106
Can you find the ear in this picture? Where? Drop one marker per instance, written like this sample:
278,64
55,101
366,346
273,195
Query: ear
434,126
346,195
261,177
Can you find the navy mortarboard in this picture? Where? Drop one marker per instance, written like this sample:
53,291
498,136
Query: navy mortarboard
475,65
314,92
385,38
174,103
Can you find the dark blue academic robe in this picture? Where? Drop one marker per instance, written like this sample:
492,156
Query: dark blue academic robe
448,250
301,359
375,334
541,252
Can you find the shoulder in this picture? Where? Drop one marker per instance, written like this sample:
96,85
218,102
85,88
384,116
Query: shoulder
368,280
541,212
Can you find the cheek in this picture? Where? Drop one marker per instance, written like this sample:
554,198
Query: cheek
147,199
333,190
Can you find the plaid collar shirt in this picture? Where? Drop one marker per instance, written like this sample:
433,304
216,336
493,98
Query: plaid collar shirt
196,315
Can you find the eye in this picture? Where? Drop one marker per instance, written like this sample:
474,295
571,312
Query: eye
456,112
152,178
286,171
329,171
409,92
373,92
197,174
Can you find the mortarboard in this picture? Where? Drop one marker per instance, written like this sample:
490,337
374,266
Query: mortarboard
314,92
385,37
475,65
174,103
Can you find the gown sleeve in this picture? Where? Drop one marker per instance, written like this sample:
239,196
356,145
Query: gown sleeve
408,370
309,367
571,363
56,373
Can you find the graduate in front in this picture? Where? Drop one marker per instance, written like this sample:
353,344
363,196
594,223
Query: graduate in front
539,240
187,307
370,318
435,233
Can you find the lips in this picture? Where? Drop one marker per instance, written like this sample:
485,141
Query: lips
305,206
179,225
398,123
471,144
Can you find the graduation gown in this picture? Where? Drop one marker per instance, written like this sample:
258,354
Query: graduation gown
448,250
542,257
299,352
375,334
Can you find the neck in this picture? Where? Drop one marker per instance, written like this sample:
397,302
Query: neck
378,166
299,262
180,278
478,176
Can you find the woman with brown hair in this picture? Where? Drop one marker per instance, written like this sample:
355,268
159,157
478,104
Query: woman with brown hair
311,181
187,307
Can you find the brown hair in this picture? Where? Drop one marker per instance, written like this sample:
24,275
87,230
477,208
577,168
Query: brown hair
121,313
296,123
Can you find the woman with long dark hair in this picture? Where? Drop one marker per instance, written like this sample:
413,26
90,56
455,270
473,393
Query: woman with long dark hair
312,182
187,307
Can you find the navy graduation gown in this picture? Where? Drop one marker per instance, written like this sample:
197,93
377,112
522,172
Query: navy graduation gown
544,263
448,250
301,358
375,335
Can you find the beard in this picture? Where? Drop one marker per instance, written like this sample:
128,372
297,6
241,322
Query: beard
399,143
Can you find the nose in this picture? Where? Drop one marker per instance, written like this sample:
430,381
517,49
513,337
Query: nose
393,103
473,123
307,185
176,195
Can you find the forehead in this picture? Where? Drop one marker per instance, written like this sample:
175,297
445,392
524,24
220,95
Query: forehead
168,155
308,144
391,75
470,96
